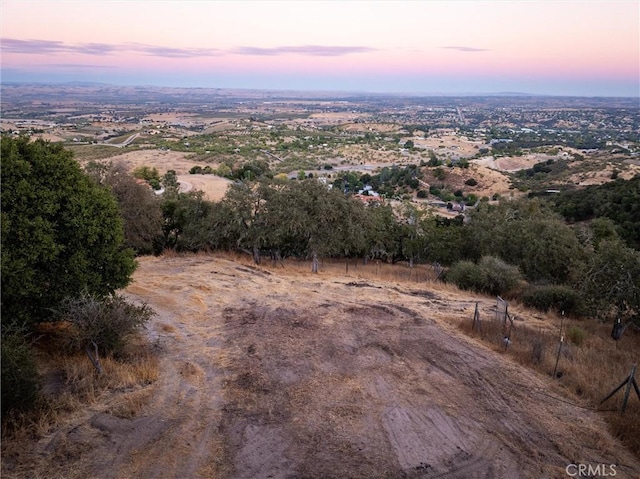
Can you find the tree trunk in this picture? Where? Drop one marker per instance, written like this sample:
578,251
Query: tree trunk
256,255
314,263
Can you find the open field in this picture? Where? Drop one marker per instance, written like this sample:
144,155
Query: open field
354,372
213,187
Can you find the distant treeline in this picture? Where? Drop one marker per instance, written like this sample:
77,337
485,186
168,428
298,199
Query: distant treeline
617,200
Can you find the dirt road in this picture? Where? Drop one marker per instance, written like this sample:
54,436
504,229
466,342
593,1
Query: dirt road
278,374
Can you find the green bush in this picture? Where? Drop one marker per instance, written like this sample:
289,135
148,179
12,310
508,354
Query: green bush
104,323
471,200
146,173
558,297
490,275
20,380
499,277
576,335
465,275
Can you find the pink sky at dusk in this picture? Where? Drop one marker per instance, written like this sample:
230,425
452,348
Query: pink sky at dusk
589,48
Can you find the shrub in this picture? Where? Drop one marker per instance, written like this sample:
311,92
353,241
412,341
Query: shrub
491,275
499,277
422,194
558,297
20,380
106,324
471,200
439,174
471,182
576,335
146,173
465,275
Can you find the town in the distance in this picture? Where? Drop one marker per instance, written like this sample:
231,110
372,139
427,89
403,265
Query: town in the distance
463,148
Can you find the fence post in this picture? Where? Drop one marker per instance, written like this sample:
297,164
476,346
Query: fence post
629,381
476,320
555,369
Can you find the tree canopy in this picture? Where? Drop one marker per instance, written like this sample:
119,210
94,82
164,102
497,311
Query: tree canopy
617,200
61,232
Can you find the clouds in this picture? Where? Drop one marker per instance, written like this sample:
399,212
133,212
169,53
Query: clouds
52,47
467,49
309,50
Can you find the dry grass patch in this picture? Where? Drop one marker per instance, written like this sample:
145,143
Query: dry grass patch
588,364
167,328
71,384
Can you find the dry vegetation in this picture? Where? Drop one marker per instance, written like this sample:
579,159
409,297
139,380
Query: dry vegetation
73,392
359,371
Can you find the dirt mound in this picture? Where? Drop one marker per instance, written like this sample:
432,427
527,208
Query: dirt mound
298,375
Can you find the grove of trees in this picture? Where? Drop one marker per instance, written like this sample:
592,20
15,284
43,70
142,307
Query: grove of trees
69,240
559,265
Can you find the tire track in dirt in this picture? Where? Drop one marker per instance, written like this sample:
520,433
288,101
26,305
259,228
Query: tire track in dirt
284,374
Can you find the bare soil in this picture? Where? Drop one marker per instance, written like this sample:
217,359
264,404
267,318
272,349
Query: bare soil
214,187
278,373
163,160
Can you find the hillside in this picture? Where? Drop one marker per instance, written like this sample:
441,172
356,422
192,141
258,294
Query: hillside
272,372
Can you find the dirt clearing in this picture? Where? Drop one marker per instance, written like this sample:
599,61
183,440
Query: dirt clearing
277,373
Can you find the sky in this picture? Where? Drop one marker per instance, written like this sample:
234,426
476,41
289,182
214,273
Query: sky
546,47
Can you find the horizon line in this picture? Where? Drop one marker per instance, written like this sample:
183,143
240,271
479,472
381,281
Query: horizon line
327,91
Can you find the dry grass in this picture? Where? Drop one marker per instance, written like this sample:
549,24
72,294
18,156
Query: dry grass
346,373
71,384
590,365
167,328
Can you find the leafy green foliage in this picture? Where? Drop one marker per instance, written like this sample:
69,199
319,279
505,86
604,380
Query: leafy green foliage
20,379
390,181
611,281
446,240
618,200
251,171
576,335
61,232
490,275
149,174
187,224
466,275
106,323
528,234
557,297
170,180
